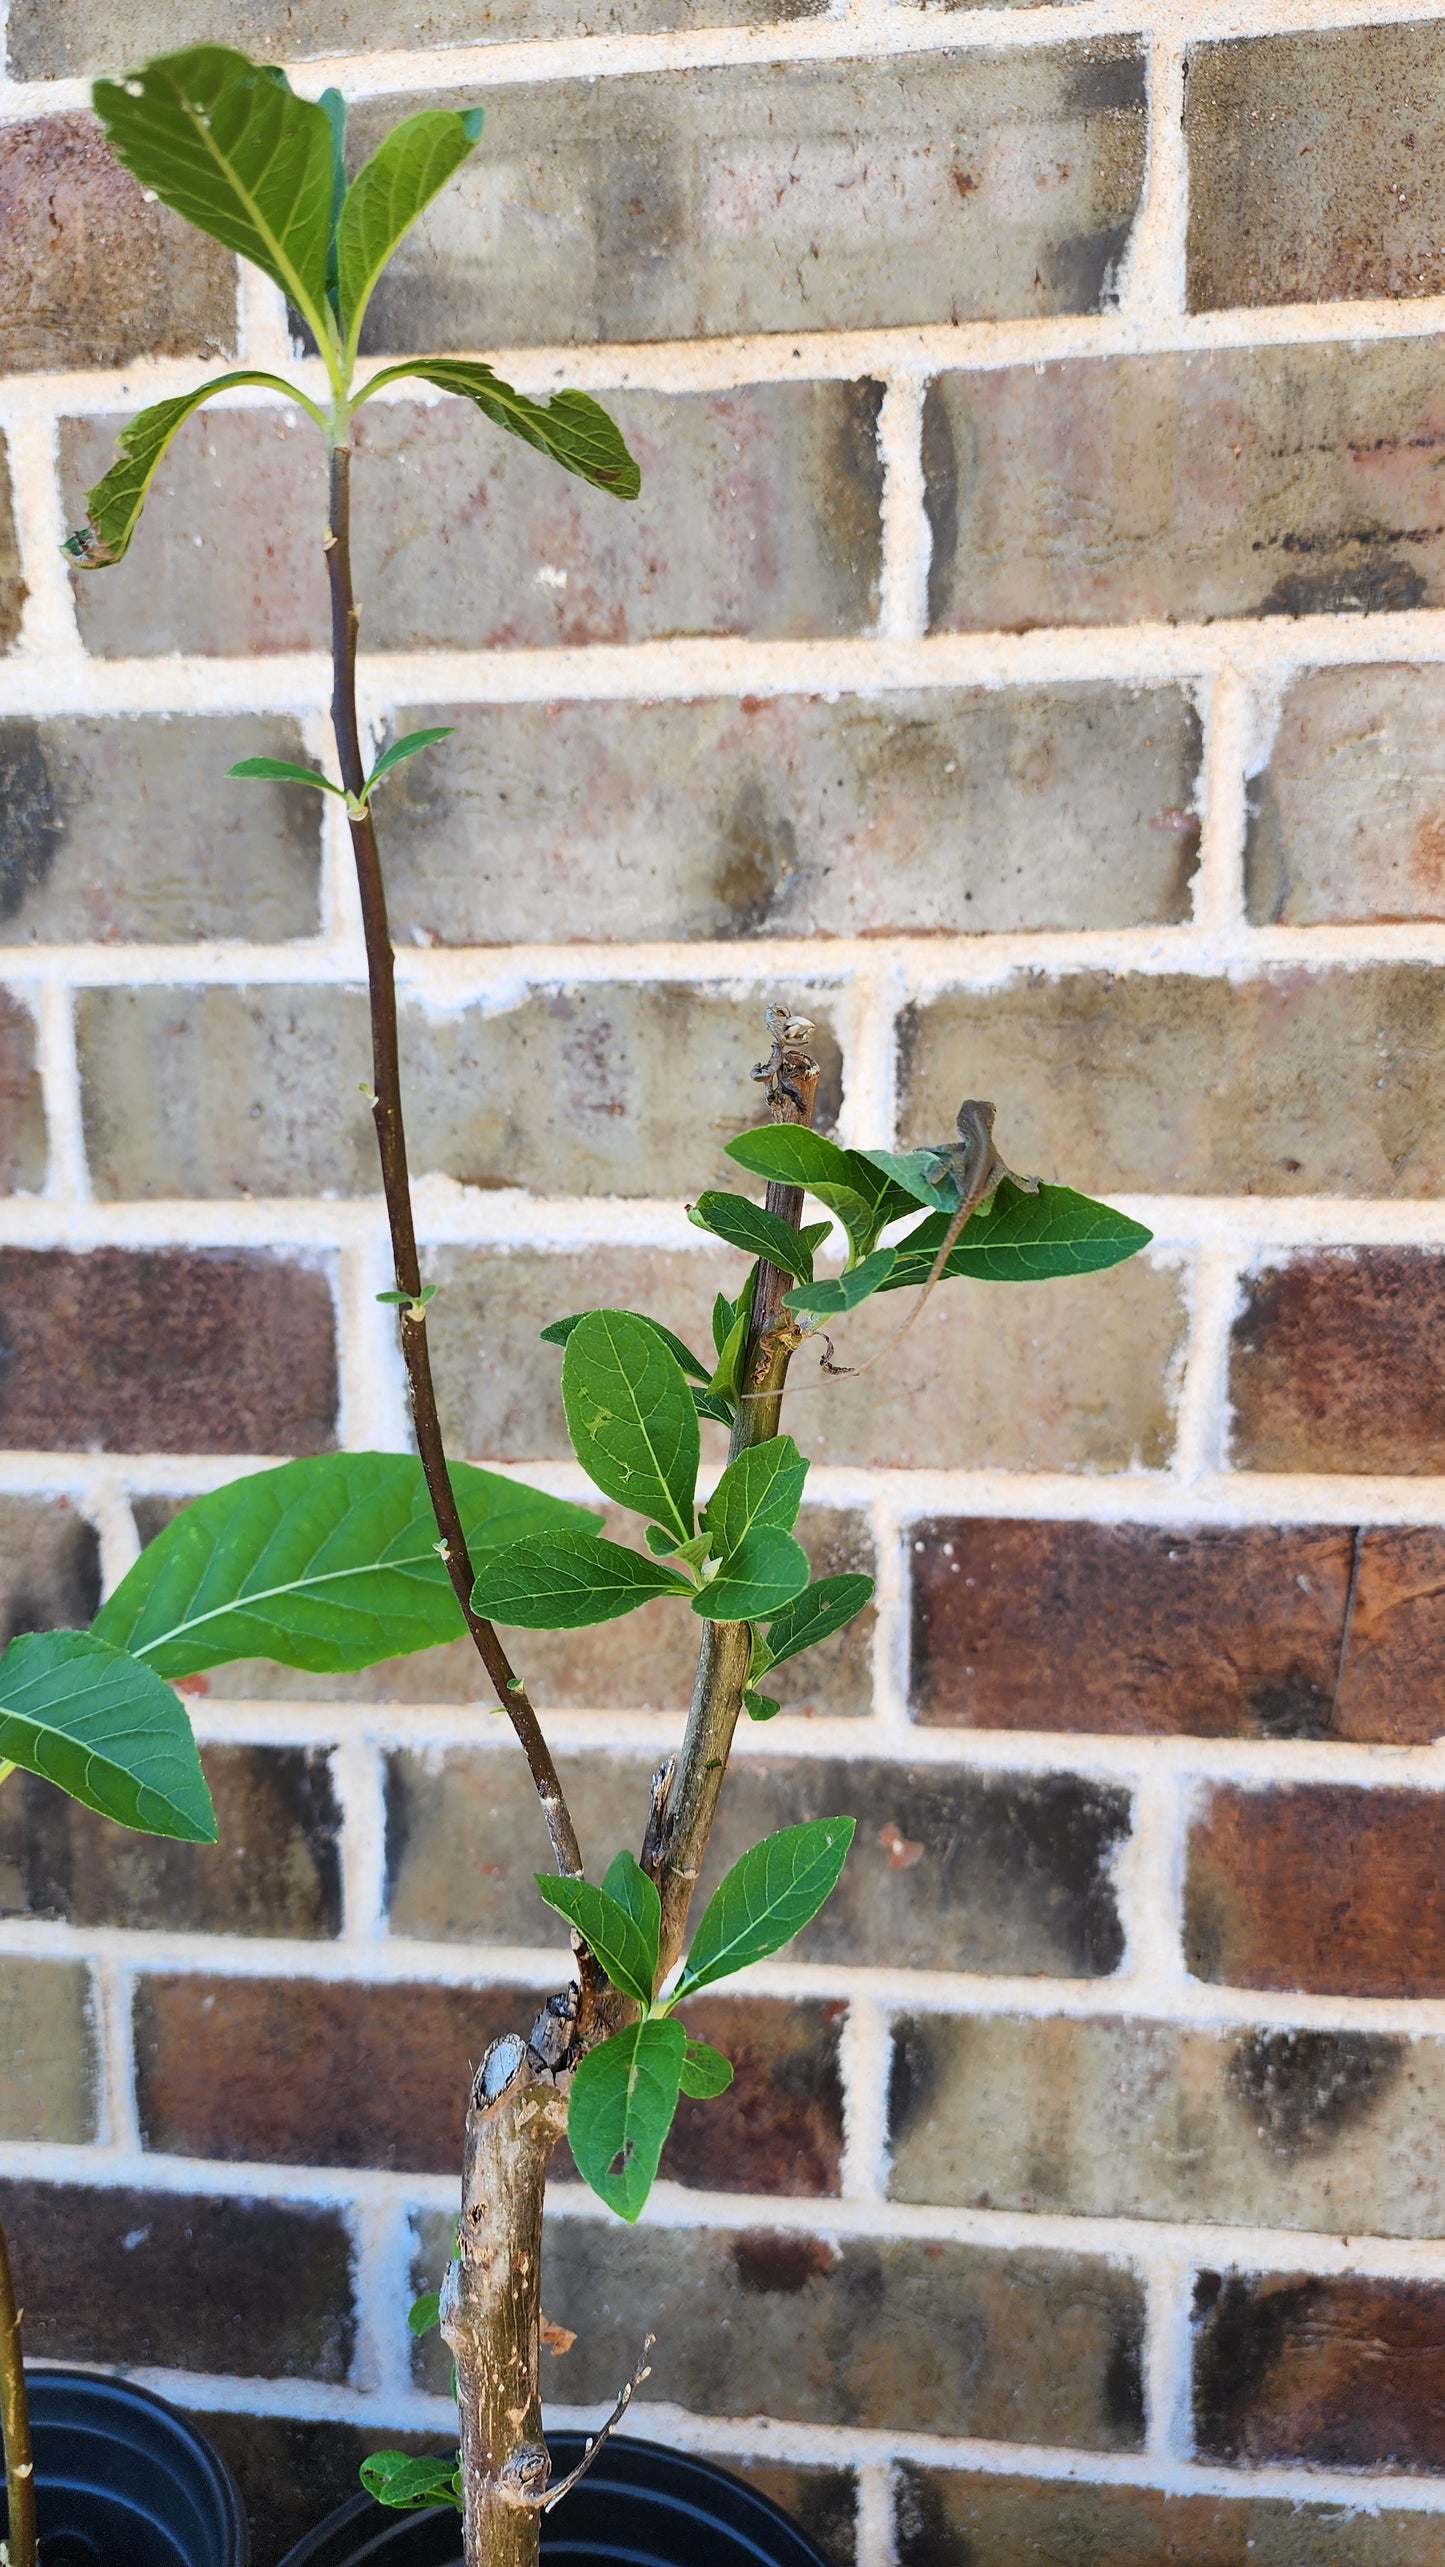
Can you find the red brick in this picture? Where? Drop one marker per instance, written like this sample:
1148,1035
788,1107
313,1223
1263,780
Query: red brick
165,1350
962,2518
1318,1886
1337,2371
1335,1363
91,273
22,1105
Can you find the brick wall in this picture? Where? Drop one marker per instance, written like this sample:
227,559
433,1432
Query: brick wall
1027,654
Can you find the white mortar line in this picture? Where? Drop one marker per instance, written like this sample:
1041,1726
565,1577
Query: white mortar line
381,2271
111,1514
119,2118
1169,2356
865,2060
874,2518
1201,1421
892,1634
1149,1880
262,337
1151,284
907,543
67,1178
1219,883
48,629
358,1782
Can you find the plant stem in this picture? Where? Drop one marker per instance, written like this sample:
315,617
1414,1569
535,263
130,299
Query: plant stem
396,1184
15,2423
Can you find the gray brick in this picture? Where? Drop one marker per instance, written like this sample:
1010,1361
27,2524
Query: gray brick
47,2041
13,590
1348,819
22,1102
91,272
49,1566
926,812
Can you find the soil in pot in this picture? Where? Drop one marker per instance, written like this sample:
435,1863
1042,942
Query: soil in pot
122,2480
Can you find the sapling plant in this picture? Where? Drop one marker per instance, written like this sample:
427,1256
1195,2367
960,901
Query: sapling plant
337,1561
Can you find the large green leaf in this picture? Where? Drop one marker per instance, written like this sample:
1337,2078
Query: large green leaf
106,1730
565,1581
113,506
572,428
758,1232
624,2094
228,145
631,1418
766,1899
384,199
329,1564
764,1572
844,1292
1022,1238
557,1332
864,1198
814,1615
623,1946
763,1486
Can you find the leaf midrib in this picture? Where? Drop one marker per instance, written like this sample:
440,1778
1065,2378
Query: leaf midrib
279,253
652,1452
289,1586
759,1917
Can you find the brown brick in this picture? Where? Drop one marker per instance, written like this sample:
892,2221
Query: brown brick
786,196
1342,2371
949,1870
938,810
1318,1886
101,836
91,272
759,514
918,2337
1348,820
275,1869
1394,1672
22,1104
48,2044
779,2127
114,2275
13,590
1241,481
1290,1082
949,2518
165,1350
1313,167
1143,2120
1334,1363
1063,1376
625,1090
49,1566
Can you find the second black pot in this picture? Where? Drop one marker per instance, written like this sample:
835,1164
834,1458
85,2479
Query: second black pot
122,2480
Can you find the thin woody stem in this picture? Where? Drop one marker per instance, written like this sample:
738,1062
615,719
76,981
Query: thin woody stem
15,2424
396,1184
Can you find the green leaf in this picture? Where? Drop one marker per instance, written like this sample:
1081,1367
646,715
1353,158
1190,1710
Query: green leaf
228,145
106,1730
396,2478
813,1234
757,1232
727,1381
624,2094
329,1564
557,1332
406,747
625,1881
631,1418
283,771
923,1174
565,1581
114,504
621,1944
863,1197
424,2313
395,1299
845,1291
333,106
760,1706
1023,1238
572,428
388,192
705,2072
710,1403
760,1576
763,1486
766,1899
815,1615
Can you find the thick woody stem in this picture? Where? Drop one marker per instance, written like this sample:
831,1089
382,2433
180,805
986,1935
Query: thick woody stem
15,2424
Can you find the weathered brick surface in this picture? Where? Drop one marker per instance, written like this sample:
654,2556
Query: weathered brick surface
49,1566
1348,819
913,813
949,2518
1314,167
759,515
784,196
1373,1923
22,1109
1342,2371
274,1870
194,2284
91,274
245,1361
1290,1082
48,2045
626,1090
1044,1376
1333,1367
112,829
13,590
1243,481
928,2338
1143,2120
949,1870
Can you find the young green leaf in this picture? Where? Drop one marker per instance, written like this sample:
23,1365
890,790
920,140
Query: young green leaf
815,1615
756,1231
572,428
711,1404
631,1418
626,1881
283,771
106,1730
759,1706
1022,1238
406,747
705,2072
624,2095
424,2313
727,1381
113,505
765,1900
404,173
923,1174
762,1487
566,1581
397,2478
845,1291
763,1573
622,1945
227,144
863,1197
329,1563
557,1332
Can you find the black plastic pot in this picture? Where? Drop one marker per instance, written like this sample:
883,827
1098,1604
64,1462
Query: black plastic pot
122,2480
638,2506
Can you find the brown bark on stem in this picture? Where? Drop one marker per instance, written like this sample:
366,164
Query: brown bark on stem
15,2423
